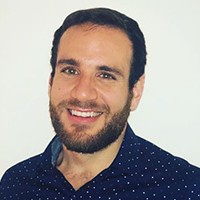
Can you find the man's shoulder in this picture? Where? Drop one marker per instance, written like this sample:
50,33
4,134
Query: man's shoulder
162,157
168,167
17,178
27,168
156,164
22,168
158,172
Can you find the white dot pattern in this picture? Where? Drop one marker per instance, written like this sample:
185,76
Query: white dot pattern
141,171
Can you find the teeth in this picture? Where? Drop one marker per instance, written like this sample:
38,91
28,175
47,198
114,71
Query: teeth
84,114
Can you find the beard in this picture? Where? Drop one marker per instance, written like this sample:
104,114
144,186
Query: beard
78,140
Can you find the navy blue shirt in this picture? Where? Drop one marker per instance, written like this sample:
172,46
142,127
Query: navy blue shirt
140,171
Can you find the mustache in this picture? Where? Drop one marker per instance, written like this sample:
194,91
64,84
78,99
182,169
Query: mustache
83,105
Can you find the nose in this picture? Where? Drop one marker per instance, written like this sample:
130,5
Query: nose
84,89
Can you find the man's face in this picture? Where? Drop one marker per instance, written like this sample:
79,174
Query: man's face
89,97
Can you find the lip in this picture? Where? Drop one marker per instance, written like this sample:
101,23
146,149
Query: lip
83,116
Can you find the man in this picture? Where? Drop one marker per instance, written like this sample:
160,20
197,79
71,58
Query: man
98,59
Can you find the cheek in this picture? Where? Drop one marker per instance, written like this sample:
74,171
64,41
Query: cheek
58,92
115,99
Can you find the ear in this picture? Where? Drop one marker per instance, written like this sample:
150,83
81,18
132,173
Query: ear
50,84
137,92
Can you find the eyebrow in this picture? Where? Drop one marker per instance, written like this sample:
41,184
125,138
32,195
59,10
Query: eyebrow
68,62
111,69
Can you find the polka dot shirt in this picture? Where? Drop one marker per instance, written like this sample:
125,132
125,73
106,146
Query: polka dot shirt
141,171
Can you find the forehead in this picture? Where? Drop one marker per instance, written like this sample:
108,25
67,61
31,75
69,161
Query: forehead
89,28
96,42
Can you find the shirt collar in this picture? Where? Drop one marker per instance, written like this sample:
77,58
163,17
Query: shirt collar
56,148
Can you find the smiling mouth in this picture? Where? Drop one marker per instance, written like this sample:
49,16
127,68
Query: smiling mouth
84,114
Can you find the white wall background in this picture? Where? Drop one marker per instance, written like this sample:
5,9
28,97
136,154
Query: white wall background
169,114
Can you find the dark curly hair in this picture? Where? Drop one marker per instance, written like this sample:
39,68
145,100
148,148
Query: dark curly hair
110,18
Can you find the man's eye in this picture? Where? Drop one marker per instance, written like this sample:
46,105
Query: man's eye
107,76
70,71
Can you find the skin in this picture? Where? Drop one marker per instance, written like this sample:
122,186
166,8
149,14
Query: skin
93,65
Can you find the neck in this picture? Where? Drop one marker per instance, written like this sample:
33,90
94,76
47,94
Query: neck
80,168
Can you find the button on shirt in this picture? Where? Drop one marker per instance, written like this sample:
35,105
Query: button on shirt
140,171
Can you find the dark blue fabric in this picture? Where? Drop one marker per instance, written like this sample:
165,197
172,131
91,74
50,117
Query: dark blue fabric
141,171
